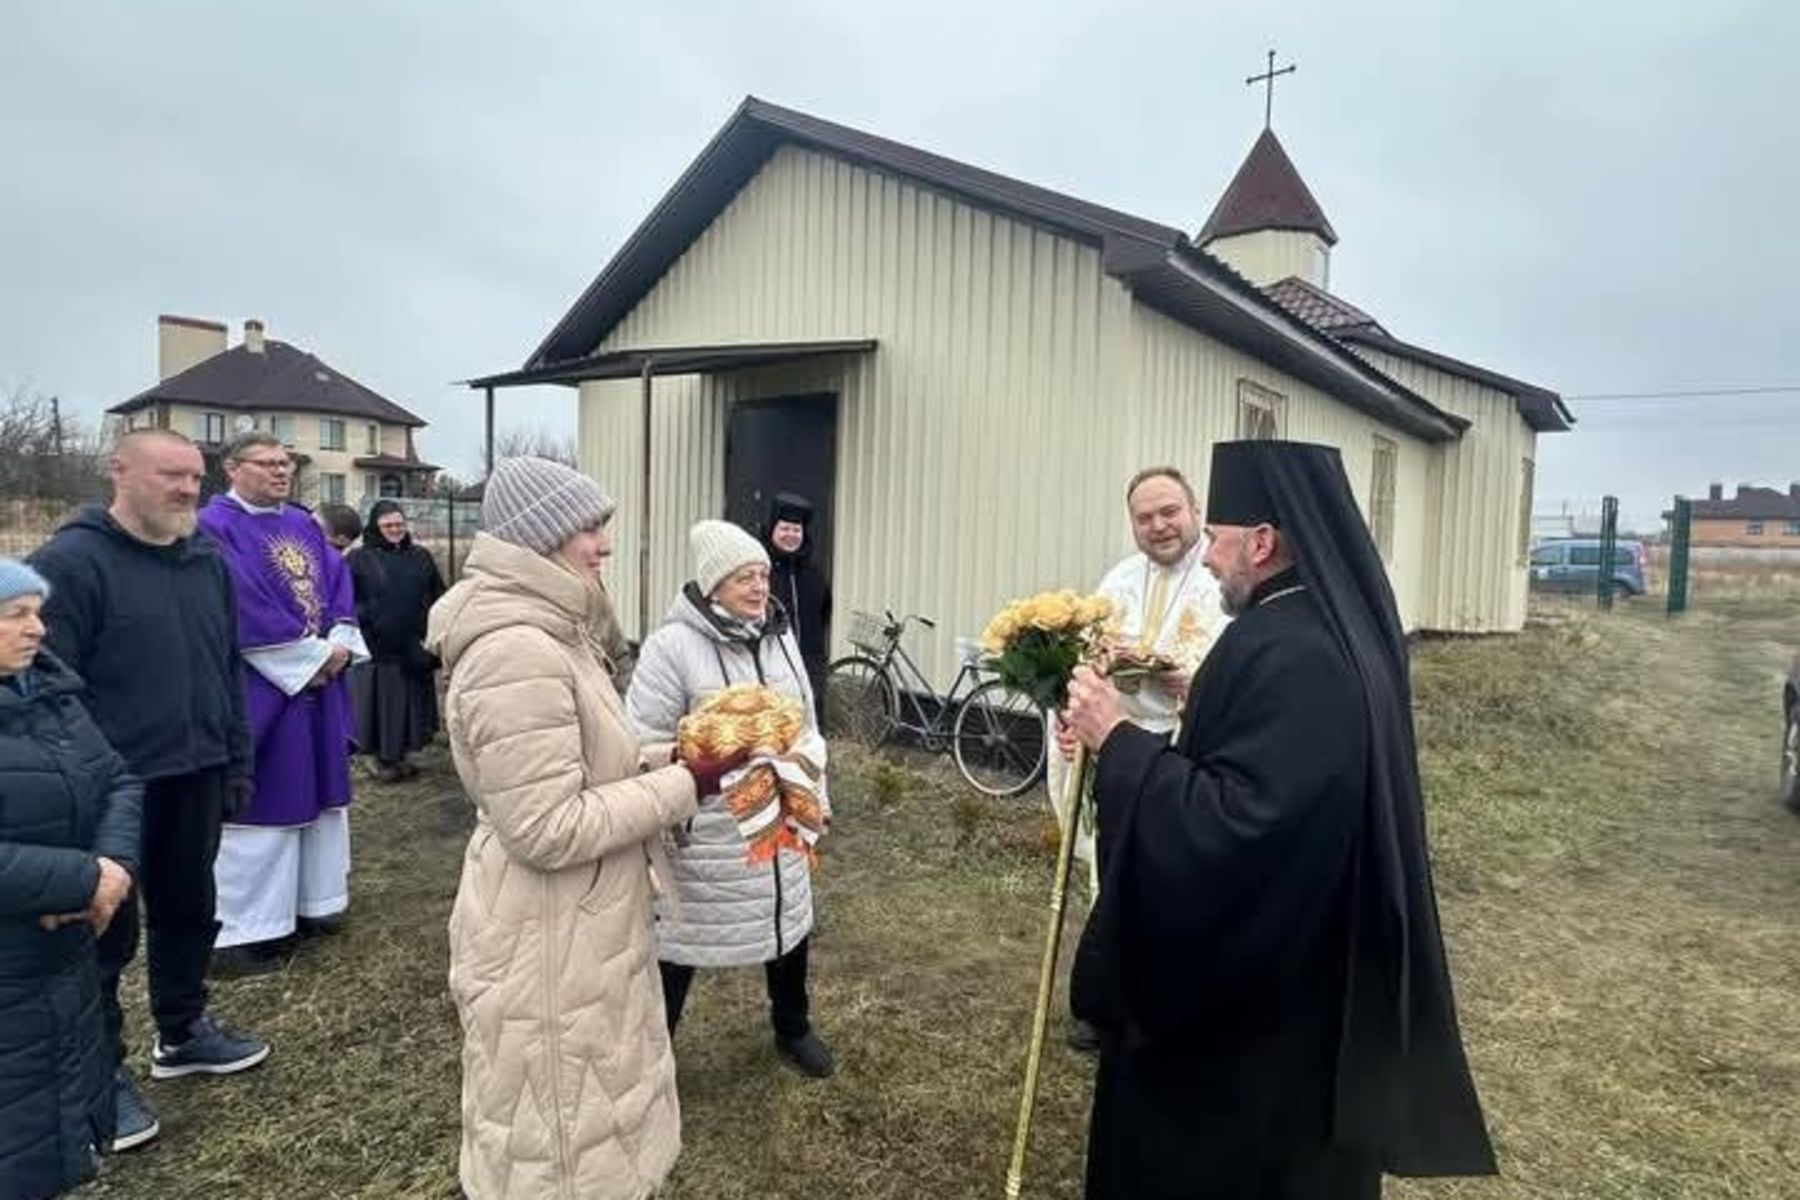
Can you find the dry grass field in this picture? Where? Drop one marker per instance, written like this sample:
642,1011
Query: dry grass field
1621,894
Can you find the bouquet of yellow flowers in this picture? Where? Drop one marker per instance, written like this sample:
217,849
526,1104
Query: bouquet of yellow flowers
775,791
1035,644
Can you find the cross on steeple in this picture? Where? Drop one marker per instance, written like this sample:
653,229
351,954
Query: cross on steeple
1267,78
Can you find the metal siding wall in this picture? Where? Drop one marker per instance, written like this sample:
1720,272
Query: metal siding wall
688,453
979,456
1268,255
1476,584
983,446
1189,400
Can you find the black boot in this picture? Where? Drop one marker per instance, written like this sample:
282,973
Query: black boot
807,1054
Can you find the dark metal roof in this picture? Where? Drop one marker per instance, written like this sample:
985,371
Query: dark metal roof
735,155
1266,193
1540,408
280,378
674,360
1198,290
1156,261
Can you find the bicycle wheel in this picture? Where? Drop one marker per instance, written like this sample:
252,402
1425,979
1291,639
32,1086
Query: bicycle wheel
860,705
998,740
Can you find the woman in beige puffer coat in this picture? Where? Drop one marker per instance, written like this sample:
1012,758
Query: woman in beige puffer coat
568,1078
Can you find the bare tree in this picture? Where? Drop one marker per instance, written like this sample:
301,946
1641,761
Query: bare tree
536,442
46,454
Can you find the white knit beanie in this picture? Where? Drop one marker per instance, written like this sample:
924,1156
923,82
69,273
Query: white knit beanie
719,549
539,504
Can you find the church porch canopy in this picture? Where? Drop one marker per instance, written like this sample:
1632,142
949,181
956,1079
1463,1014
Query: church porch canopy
646,363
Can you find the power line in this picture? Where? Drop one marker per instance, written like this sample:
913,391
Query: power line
1699,393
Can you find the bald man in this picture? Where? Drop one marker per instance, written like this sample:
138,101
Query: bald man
142,608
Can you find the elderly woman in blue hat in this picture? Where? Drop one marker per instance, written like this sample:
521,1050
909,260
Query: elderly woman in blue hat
68,845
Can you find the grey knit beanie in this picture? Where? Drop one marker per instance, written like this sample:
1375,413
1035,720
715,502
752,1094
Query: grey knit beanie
719,549
538,504
17,579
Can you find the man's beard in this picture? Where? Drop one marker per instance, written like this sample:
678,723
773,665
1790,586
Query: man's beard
175,523
1235,587
1168,558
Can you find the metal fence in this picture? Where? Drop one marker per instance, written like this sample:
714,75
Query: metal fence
444,526
26,524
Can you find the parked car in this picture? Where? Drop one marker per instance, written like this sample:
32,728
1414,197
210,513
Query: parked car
1573,565
1790,738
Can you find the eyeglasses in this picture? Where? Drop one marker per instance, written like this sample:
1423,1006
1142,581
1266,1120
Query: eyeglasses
267,464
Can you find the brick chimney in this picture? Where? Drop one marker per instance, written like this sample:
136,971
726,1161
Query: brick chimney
1716,492
183,342
253,336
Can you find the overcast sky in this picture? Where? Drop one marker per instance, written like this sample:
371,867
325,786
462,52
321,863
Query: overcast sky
1598,198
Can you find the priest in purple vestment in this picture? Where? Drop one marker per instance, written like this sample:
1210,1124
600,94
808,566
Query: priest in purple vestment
284,861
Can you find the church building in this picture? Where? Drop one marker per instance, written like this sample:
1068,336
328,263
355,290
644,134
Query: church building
962,370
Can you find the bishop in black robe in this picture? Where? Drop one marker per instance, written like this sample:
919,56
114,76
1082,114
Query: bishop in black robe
1265,963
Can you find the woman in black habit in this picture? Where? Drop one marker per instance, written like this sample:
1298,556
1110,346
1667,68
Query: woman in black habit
799,586
1265,963
396,691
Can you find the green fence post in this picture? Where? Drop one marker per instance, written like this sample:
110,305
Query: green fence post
1681,526
1609,545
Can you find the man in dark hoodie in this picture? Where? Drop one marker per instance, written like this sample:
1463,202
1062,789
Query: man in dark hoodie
800,587
142,609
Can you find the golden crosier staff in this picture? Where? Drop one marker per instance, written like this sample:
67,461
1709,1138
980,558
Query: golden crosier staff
1059,892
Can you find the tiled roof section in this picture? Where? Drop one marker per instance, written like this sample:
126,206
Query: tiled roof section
280,378
1752,504
1350,326
1266,193
1319,308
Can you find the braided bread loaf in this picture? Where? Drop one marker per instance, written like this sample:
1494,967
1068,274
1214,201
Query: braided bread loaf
741,719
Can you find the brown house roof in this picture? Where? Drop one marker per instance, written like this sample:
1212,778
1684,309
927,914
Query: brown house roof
1752,504
1267,193
1158,263
280,378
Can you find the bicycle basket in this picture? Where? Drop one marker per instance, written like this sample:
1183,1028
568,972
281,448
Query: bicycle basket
868,632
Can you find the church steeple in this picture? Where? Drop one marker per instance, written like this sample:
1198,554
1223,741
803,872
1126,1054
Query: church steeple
1267,193
1267,224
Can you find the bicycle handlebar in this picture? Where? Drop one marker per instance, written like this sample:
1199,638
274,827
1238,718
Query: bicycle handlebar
899,624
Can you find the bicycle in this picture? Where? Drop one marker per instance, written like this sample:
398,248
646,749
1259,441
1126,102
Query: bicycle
995,734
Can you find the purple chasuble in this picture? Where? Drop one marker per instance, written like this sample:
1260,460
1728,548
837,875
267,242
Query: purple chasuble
290,586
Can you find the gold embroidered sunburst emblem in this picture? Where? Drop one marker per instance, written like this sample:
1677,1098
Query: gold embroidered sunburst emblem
299,572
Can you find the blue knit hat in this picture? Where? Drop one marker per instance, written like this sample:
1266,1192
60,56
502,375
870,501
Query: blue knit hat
17,579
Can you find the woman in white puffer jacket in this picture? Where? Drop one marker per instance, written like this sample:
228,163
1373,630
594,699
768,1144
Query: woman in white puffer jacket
724,629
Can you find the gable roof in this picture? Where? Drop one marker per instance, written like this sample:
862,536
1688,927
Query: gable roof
281,378
1267,193
1751,504
1540,408
1156,262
